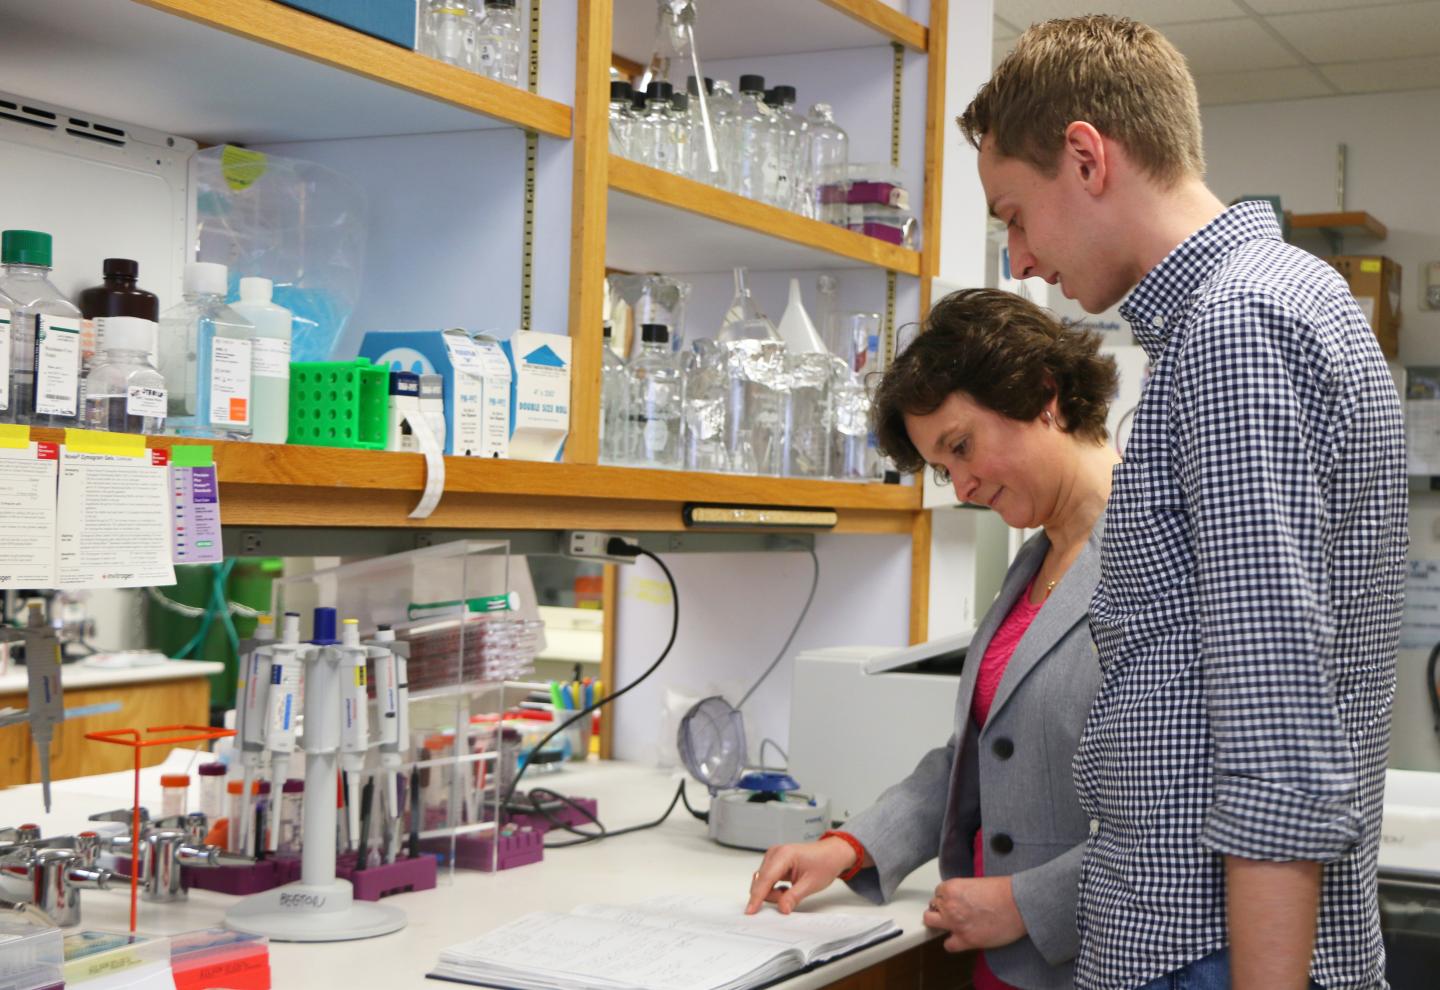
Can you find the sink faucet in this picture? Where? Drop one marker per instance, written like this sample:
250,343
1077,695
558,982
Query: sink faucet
166,845
49,874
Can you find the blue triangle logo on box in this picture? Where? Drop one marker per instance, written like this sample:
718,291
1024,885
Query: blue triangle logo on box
543,355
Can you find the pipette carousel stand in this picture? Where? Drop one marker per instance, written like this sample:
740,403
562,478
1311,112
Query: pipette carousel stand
318,907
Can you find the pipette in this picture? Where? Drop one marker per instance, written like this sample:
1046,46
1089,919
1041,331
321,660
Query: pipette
46,702
254,690
385,636
354,719
283,709
387,713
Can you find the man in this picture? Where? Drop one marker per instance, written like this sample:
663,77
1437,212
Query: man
1248,609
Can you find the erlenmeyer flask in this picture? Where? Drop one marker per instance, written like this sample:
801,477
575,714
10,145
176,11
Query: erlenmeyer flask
674,60
743,320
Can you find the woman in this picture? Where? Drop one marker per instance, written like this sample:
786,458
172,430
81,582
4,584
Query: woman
1010,407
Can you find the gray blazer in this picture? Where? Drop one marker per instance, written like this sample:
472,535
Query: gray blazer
1014,775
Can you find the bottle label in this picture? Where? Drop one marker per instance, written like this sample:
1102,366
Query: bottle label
91,335
230,381
57,365
4,358
146,400
272,358
489,52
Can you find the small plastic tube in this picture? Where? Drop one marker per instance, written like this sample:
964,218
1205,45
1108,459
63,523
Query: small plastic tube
212,791
174,794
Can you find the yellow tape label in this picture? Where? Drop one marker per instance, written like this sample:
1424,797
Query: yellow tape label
14,437
1370,266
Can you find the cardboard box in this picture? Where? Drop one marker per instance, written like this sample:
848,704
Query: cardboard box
389,20
540,407
1375,282
477,383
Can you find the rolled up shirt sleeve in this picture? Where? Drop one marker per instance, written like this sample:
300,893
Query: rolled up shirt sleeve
1253,469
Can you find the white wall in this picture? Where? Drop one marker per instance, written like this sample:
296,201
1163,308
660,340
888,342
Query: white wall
735,612
1393,147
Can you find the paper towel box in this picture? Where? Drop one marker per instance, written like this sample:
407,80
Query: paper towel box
540,403
471,369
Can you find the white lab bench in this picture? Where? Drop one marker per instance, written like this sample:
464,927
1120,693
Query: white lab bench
674,857
168,693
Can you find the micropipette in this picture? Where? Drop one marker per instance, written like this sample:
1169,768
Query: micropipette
283,708
46,702
354,719
387,711
254,688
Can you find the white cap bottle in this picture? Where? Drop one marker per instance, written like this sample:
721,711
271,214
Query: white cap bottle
270,370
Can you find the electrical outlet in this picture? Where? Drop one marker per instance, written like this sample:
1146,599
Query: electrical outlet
592,544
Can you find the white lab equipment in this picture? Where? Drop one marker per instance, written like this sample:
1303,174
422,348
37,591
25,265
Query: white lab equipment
45,701
252,690
354,719
387,713
282,710
319,907
796,328
862,716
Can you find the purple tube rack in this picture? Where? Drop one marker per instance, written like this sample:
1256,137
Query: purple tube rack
399,877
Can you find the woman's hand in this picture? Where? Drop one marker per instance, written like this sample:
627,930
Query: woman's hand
978,912
807,867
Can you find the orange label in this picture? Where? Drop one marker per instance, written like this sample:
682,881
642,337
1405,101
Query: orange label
237,411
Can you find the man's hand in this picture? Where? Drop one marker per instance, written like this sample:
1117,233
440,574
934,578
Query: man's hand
978,912
807,867
1271,909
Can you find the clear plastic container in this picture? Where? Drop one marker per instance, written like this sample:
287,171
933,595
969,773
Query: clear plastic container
614,405
448,31
123,392
206,354
32,956
212,791
656,397
270,364
44,334
497,48
174,795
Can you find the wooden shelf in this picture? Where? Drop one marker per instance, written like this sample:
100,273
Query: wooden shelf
1352,224
663,222
728,29
283,485
248,71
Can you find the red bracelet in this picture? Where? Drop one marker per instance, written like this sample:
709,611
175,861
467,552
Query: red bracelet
859,853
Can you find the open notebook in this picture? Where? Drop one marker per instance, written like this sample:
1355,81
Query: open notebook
676,942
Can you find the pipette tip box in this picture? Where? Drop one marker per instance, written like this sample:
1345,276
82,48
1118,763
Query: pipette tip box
217,957
32,956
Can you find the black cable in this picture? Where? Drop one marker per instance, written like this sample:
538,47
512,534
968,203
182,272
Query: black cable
704,816
616,546
605,833
814,585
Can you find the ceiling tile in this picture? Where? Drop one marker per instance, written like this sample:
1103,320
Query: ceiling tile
1024,12
1258,87
1267,7
1229,46
1386,76
1397,31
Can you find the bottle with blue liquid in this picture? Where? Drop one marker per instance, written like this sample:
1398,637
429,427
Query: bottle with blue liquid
206,357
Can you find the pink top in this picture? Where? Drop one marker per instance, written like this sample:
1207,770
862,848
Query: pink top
987,681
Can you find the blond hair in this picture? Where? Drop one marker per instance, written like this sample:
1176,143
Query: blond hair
1119,75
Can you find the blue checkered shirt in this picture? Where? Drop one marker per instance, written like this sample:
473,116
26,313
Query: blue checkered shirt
1248,611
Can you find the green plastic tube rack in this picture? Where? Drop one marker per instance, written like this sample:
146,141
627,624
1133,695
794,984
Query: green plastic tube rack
339,404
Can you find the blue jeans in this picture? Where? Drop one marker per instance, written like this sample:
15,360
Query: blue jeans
1210,972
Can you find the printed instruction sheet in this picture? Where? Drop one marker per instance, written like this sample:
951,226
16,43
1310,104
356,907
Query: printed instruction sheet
114,514
27,513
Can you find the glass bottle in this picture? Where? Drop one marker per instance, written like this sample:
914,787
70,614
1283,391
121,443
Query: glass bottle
622,118
117,295
698,161
447,32
749,138
270,364
722,105
206,352
655,130
498,45
44,334
829,166
788,151
615,433
656,400
123,392
679,134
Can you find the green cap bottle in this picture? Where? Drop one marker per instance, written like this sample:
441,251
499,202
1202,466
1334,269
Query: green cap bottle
25,247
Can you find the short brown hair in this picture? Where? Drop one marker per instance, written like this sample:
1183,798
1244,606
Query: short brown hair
1007,354
1121,76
